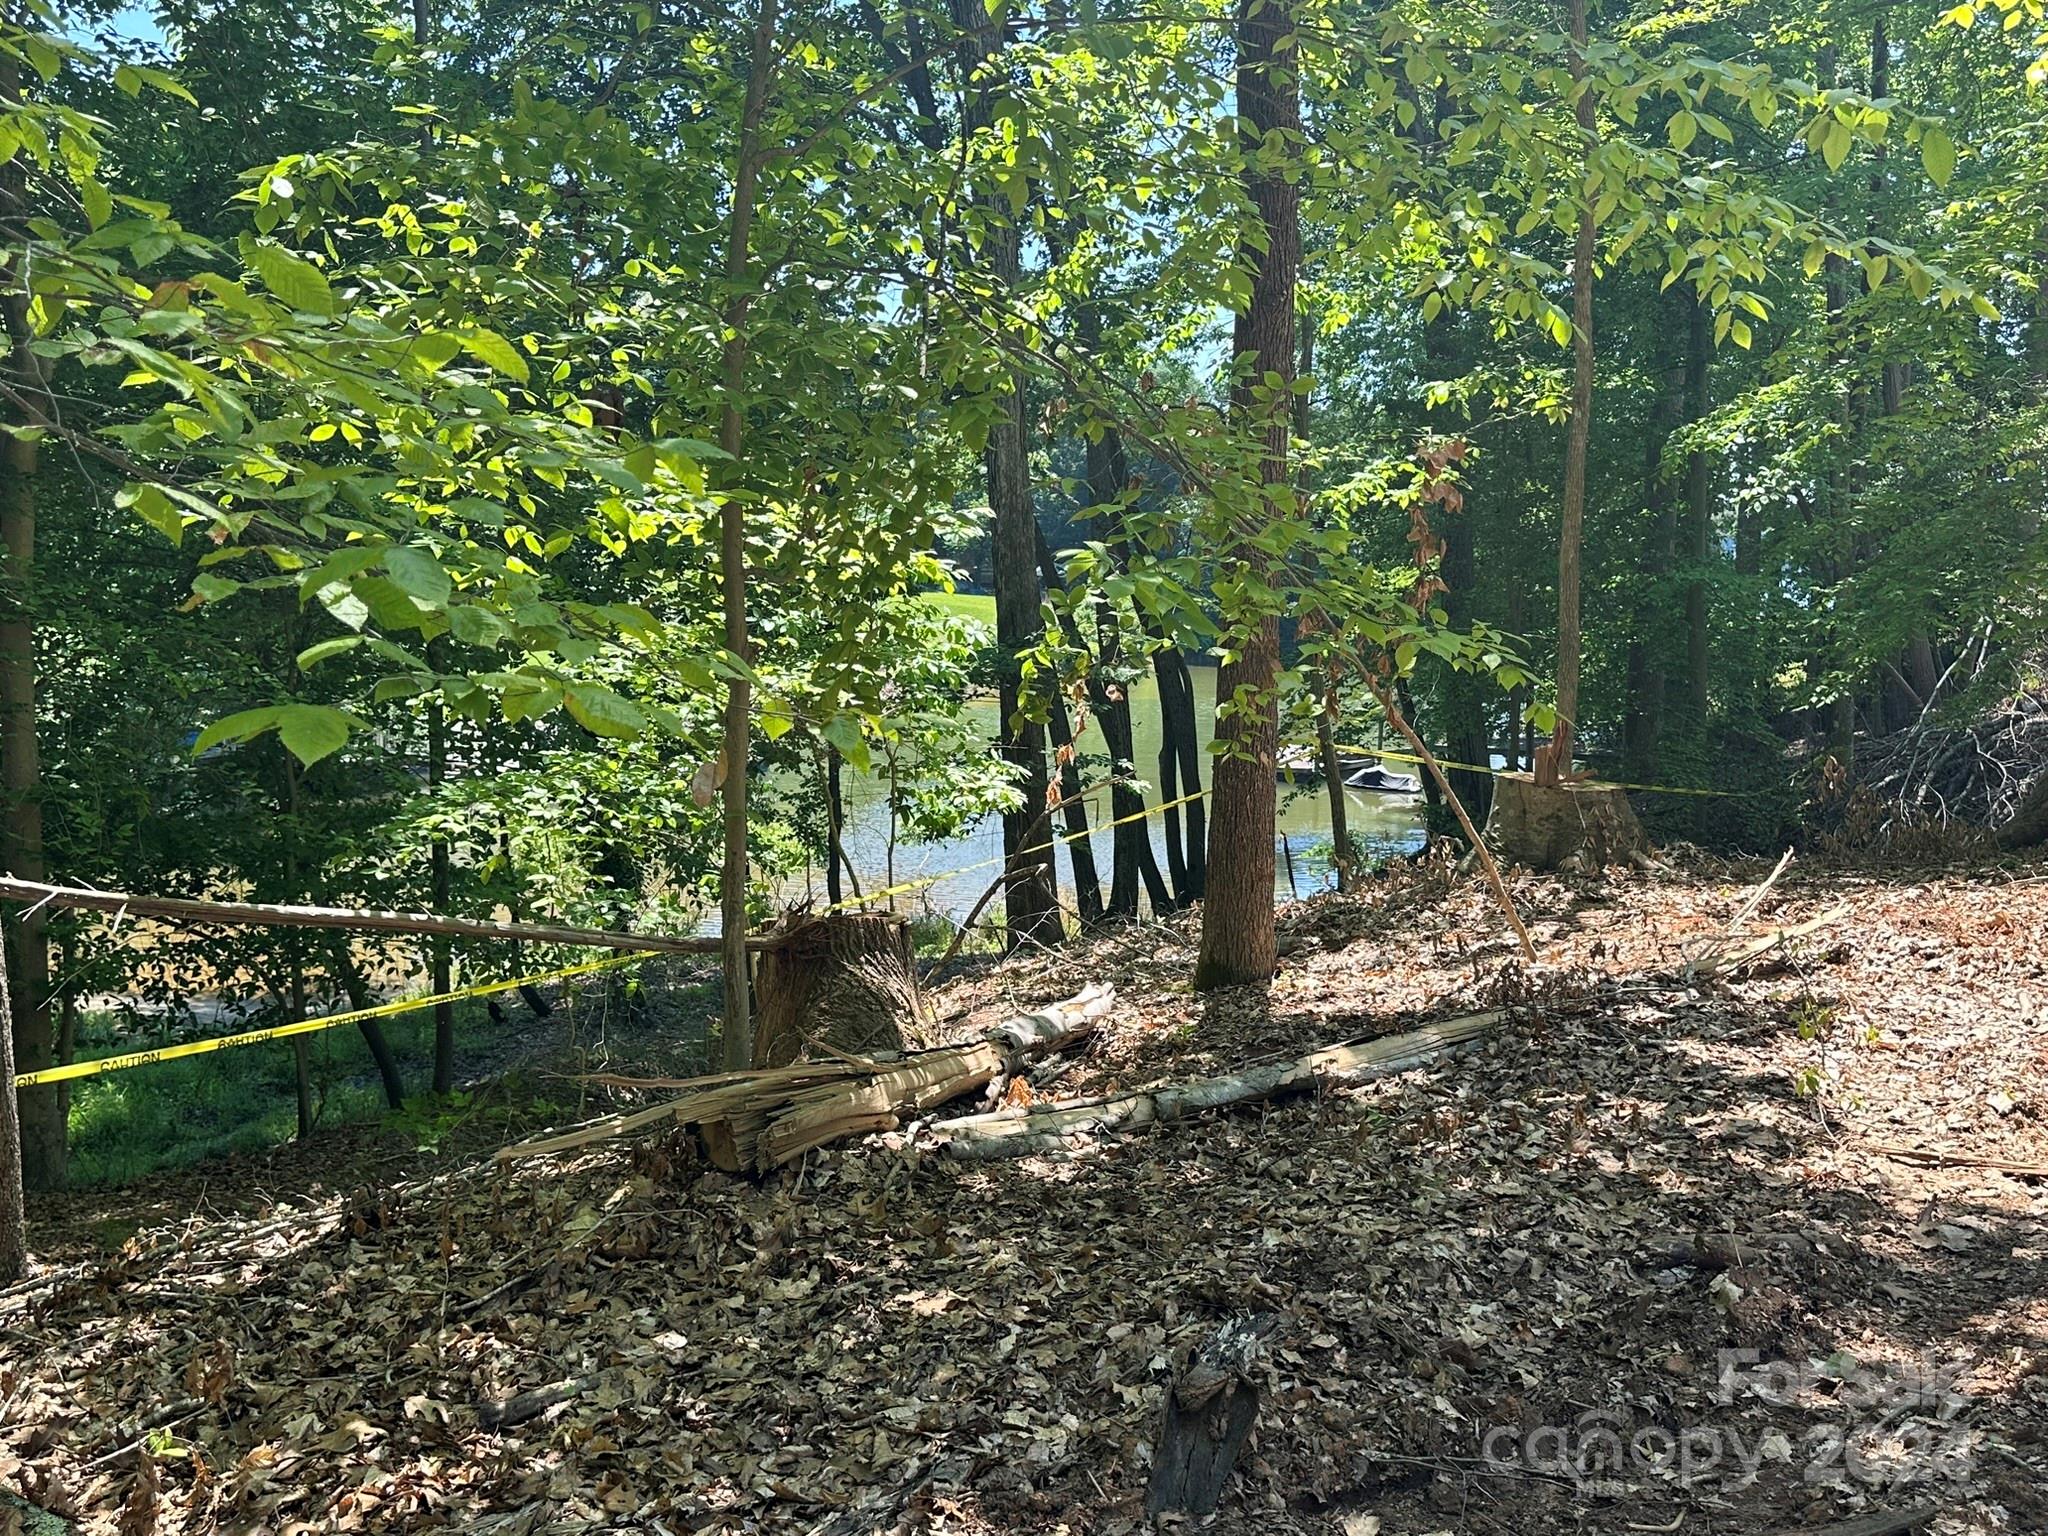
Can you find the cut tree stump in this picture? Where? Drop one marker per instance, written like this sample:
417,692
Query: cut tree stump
840,985
1209,1412
1548,826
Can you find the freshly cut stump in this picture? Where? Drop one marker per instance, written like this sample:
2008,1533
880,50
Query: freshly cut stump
1548,826
842,984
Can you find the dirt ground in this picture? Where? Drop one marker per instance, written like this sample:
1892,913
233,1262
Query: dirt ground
1666,1255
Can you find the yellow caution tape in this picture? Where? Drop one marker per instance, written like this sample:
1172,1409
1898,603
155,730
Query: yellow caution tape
94,1068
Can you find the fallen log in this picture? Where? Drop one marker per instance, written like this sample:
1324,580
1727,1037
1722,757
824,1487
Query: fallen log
763,1119
1009,1133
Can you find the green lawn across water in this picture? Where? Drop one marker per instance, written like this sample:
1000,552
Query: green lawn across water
972,605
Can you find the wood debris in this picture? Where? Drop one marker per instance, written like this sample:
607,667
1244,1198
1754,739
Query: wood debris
764,1119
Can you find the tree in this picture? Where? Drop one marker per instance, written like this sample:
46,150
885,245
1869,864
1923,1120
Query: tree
1237,944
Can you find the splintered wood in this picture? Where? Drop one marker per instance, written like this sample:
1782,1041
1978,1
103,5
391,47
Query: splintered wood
762,1120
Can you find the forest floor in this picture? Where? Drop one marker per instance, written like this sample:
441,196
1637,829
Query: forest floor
1502,1304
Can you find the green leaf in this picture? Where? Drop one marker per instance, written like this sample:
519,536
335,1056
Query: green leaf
1682,129
418,575
435,350
600,711
1835,140
844,732
149,503
312,731
1938,155
97,200
296,281
341,601
313,655
245,726
494,351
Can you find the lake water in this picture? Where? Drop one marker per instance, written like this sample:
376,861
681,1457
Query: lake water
1388,825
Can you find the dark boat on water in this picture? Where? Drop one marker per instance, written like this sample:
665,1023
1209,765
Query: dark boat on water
1301,765
1383,780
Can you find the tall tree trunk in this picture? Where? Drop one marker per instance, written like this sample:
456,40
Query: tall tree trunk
1180,773
1466,737
1133,863
1842,481
1699,510
1518,697
1461,698
442,978
1556,759
26,950
302,1051
1237,944
1916,663
358,992
13,1208
1074,810
21,837
835,826
736,1027
1132,845
1030,902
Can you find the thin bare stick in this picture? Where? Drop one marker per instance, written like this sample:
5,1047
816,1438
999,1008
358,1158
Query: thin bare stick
1436,771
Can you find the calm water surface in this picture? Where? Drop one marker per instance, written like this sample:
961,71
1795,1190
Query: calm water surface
1387,824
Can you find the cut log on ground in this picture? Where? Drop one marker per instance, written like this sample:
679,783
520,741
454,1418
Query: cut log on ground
1546,826
763,1119
841,984
1053,1128
1210,1409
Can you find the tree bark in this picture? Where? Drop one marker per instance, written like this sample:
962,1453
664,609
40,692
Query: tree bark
441,978
1180,773
21,838
1074,811
1841,480
1031,905
1556,759
1237,944
1209,1412
1132,844
13,1208
372,1030
736,1027
835,827
1134,863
